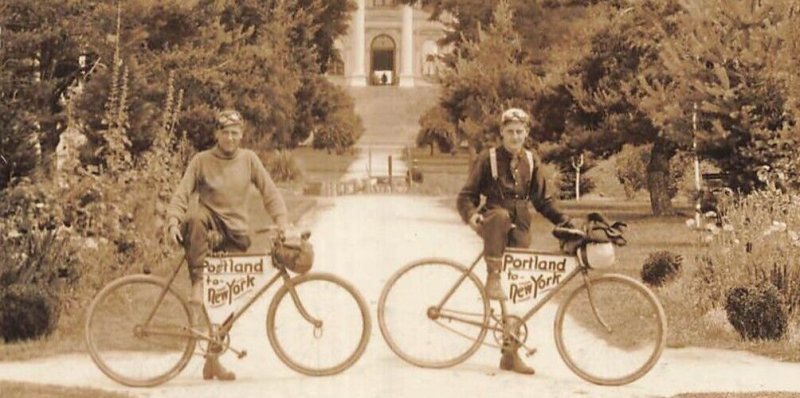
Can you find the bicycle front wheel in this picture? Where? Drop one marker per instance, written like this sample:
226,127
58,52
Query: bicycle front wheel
611,331
417,330
318,324
125,345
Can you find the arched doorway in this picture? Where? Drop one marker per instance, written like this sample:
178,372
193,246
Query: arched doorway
383,70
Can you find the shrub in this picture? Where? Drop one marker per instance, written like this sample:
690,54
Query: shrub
661,267
436,129
631,170
759,243
567,187
282,166
415,175
757,313
631,167
26,312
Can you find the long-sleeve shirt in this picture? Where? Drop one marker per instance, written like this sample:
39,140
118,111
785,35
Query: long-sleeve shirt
222,183
510,185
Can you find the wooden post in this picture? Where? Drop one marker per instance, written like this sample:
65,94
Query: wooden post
698,220
369,162
577,166
409,167
391,182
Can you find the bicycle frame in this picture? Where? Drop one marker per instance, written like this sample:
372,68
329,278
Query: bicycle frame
227,325
581,268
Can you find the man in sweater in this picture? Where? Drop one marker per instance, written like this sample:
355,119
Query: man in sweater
511,180
221,177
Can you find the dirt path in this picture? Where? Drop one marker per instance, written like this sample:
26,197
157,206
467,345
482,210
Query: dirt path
365,239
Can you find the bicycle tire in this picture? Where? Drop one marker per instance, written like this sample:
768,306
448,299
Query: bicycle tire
333,308
640,329
474,303
130,357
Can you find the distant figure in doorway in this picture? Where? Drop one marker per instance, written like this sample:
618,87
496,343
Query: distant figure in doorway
384,79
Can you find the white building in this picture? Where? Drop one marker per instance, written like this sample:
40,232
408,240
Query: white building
389,44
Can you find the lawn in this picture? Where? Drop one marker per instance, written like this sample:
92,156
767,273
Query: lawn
319,165
688,325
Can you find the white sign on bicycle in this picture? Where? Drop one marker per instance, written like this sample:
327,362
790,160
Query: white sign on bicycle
528,277
229,279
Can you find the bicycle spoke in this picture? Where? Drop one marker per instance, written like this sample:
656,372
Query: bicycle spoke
124,347
333,336
615,336
407,313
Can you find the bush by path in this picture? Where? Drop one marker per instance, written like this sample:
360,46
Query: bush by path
696,316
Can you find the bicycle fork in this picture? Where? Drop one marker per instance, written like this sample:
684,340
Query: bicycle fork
595,311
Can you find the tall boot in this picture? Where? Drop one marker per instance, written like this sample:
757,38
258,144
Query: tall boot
494,291
511,360
214,369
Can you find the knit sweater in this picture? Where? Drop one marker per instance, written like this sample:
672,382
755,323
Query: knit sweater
222,183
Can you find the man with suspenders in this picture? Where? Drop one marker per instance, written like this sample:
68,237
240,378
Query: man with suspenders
510,178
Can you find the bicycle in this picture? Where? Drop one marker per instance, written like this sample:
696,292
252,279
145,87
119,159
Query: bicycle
434,313
139,329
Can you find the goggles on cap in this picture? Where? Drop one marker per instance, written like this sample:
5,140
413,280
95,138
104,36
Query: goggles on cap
515,115
229,118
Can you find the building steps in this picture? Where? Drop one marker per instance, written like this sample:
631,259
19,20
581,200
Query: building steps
391,114
391,121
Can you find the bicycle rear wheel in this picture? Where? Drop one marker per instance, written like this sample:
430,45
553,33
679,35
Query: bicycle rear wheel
631,343
125,347
331,346
406,313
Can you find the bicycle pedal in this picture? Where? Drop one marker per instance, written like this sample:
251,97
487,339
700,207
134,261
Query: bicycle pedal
530,352
242,354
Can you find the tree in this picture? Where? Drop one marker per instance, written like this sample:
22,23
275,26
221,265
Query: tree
328,20
733,59
253,55
17,143
465,19
436,129
603,90
486,78
38,61
341,126
319,102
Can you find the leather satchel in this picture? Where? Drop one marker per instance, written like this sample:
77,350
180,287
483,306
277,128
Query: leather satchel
594,229
296,256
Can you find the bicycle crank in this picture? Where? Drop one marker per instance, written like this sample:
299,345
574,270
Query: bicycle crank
222,343
521,333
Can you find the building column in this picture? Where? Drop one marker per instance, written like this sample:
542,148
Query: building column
357,76
407,49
